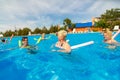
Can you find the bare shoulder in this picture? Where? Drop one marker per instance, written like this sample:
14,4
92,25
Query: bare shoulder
67,44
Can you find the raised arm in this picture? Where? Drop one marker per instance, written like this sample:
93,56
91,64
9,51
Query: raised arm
116,34
11,37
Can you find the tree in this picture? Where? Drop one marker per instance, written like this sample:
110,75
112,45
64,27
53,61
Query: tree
51,30
71,26
37,31
44,30
56,29
68,23
114,23
25,31
109,19
19,32
111,15
1,33
8,33
102,24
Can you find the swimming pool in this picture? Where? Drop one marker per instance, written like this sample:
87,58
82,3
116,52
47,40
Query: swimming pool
93,62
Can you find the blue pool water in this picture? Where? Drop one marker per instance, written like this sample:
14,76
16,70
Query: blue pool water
93,62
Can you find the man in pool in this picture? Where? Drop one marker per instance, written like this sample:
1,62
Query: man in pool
24,42
62,44
6,40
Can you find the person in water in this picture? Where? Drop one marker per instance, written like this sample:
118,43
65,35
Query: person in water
62,44
43,36
24,42
108,38
5,40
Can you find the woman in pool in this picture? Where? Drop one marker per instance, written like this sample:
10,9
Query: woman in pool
62,44
108,38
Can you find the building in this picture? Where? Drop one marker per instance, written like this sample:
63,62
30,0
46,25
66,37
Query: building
95,19
86,27
1,35
83,27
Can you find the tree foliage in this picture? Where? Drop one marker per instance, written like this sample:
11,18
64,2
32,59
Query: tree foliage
37,31
101,24
68,23
8,33
111,15
53,29
25,31
109,19
45,30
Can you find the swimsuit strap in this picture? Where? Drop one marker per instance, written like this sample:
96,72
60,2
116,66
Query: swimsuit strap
61,44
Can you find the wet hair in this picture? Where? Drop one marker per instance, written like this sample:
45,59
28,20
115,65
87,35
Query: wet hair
23,38
3,40
62,32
